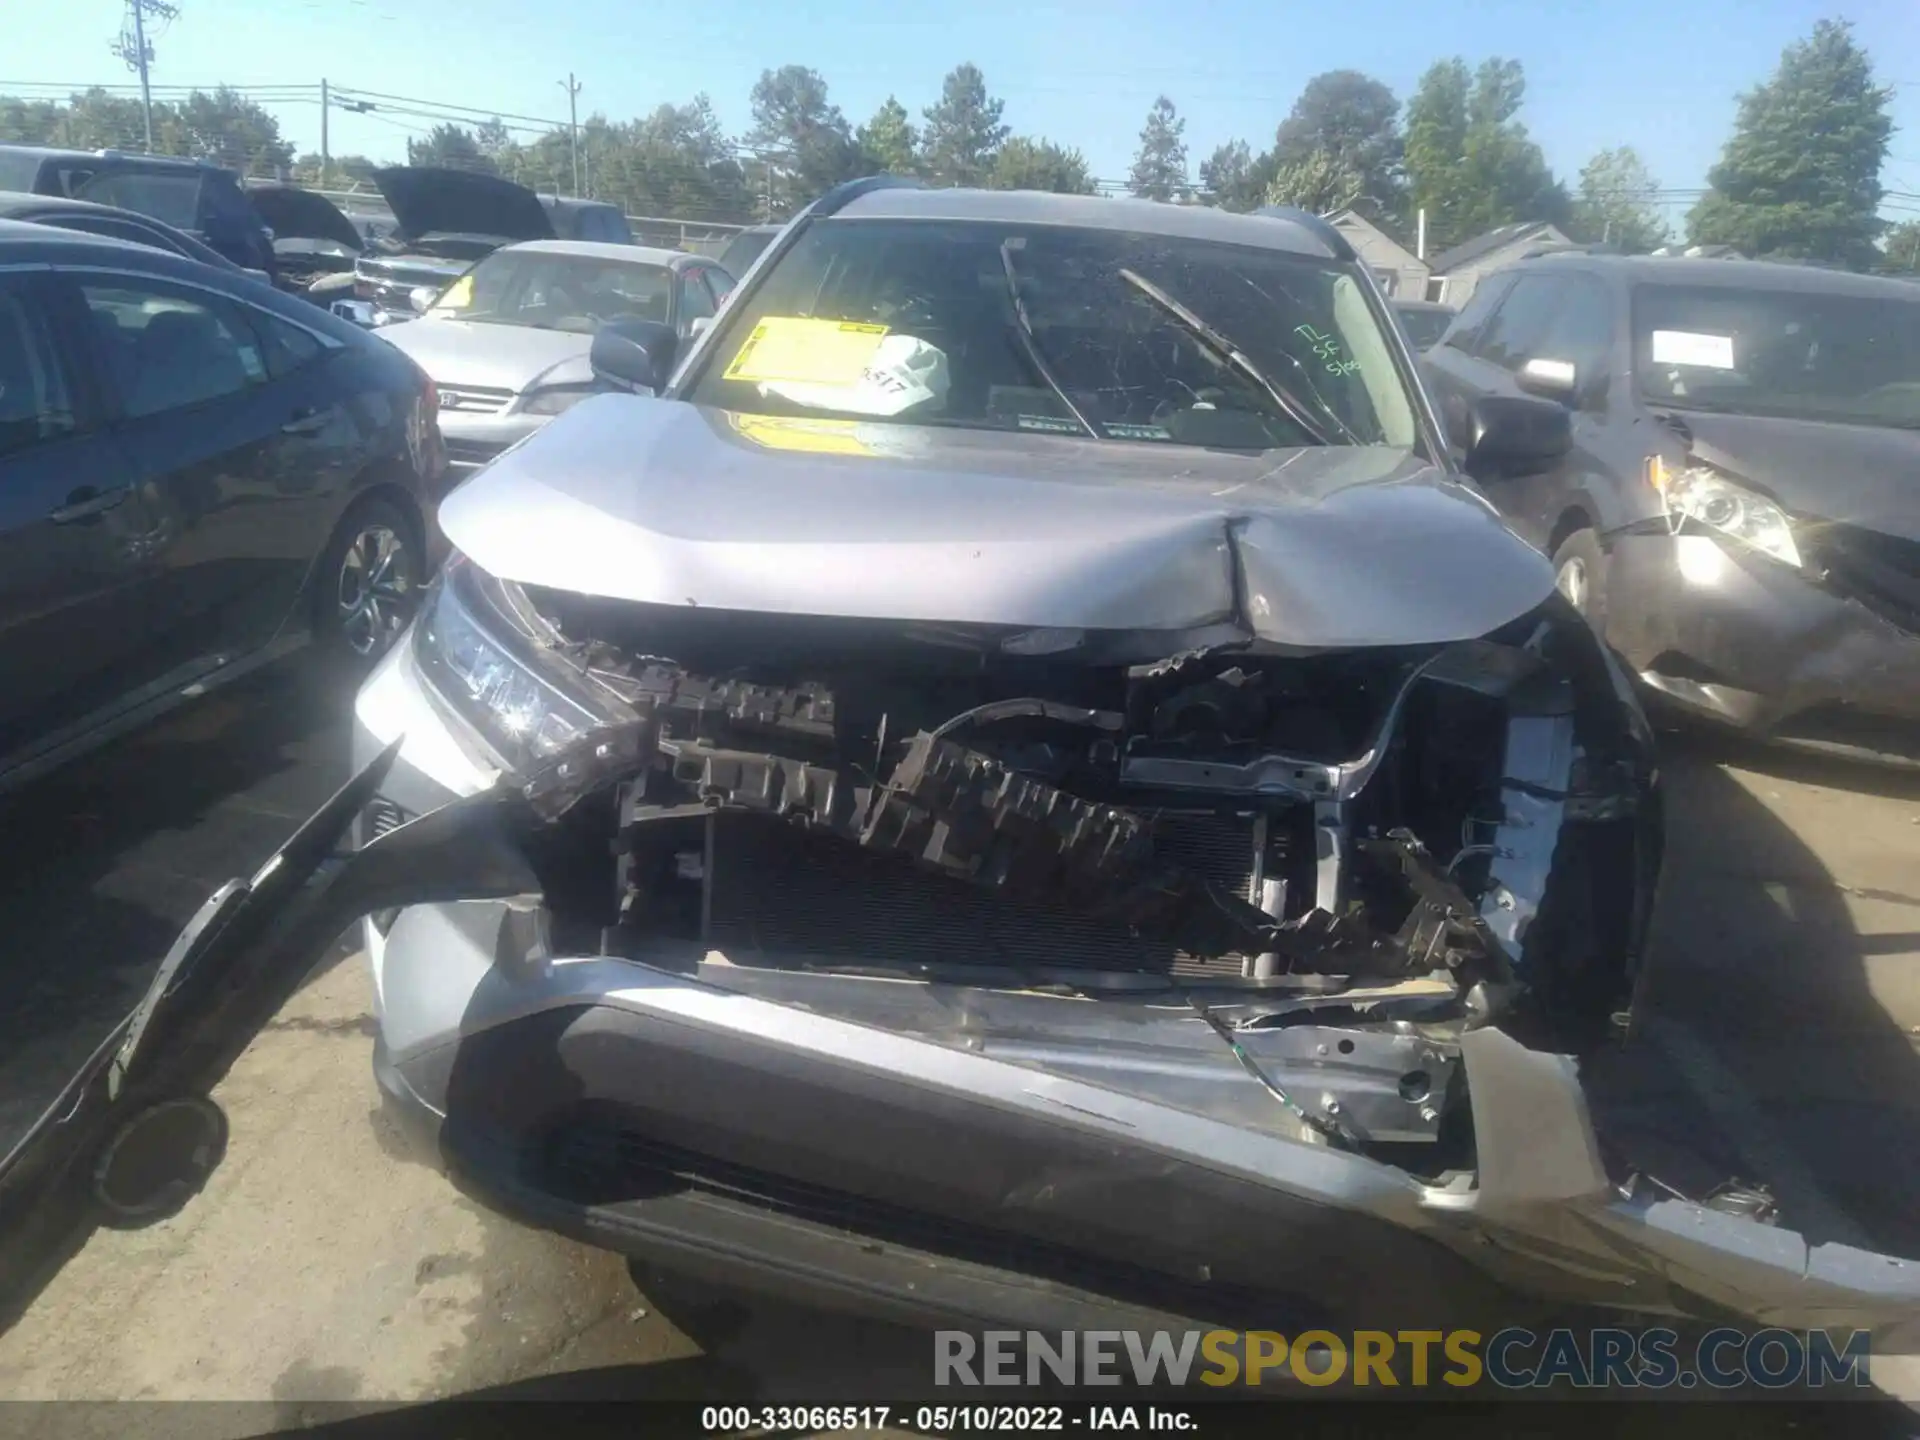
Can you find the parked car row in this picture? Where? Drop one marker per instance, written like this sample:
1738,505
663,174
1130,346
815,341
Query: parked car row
445,220
295,237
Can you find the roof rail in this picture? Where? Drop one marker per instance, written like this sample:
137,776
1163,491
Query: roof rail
1567,247
1698,252
845,194
1316,225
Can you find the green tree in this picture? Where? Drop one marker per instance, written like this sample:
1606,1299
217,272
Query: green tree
889,142
1355,121
802,135
220,125
1160,164
451,147
231,130
1469,163
675,162
1902,248
1616,205
342,171
1233,179
492,138
96,120
1319,181
1801,175
1024,163
963,132
28,122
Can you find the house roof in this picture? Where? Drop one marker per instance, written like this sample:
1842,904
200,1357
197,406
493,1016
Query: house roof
1485,245
1354,217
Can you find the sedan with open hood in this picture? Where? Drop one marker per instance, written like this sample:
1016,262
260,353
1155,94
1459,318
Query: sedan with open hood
1020,785
312,237
444,220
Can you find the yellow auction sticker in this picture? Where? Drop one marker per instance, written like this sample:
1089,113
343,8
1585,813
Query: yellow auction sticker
459,295
814,437
807,352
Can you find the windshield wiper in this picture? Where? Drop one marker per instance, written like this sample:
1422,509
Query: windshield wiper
1295,409
1029,342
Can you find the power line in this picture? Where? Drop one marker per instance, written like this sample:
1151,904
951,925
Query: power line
449,107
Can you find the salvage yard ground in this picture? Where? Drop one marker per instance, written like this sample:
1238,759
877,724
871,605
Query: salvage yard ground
325,1262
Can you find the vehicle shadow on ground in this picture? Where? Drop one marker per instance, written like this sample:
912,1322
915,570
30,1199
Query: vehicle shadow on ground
1766,1056
105,861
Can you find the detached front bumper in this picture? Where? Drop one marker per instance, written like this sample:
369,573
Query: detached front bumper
738,1127
933,1154
1743,641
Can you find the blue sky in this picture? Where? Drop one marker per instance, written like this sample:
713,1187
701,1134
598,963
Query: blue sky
1661,75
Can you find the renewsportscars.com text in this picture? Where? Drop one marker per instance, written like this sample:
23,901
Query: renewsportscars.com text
1512,1359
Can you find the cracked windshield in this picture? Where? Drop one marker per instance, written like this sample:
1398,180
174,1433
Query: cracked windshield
821,721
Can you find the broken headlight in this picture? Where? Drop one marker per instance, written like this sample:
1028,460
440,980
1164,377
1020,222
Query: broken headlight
478,651
1699,492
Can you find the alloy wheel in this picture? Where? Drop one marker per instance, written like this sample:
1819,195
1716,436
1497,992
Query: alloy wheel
375,591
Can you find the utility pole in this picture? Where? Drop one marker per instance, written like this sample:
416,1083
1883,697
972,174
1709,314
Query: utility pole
325,154
134,48
572,87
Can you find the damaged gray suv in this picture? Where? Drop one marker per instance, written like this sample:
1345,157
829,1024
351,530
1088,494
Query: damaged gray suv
1019,785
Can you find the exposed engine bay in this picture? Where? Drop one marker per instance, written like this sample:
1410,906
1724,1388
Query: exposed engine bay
1336,863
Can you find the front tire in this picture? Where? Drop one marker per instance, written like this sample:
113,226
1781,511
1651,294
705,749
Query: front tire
368,583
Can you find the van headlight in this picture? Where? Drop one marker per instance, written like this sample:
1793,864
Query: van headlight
481,658
1702,493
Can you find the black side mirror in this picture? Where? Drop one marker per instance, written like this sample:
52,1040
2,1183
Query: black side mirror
1549,379
1513,435
633,354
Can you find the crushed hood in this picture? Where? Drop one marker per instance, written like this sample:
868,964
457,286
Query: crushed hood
509,357
1861,475
664,502
429,201
296,214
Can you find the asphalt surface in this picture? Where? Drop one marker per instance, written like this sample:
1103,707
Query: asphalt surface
326,1263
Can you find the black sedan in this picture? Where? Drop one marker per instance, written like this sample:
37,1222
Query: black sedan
197,474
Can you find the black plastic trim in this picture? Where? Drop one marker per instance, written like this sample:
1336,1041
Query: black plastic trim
1317,225
843,195
745,1248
